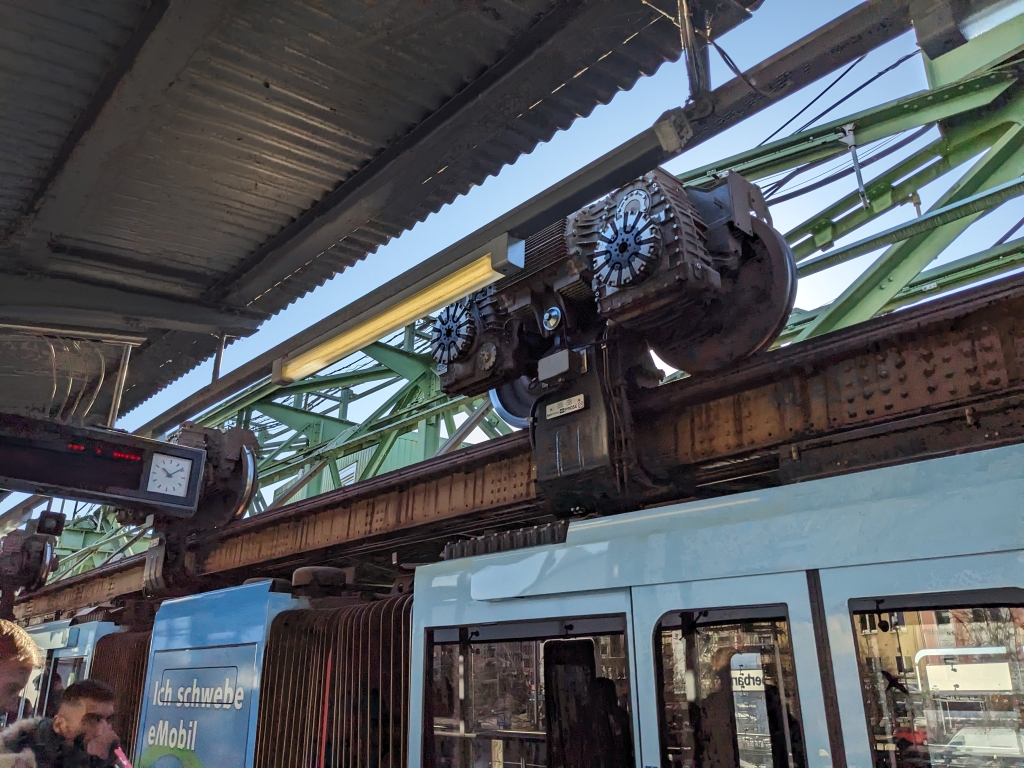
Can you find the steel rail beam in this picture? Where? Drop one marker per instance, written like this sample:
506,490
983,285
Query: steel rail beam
858,398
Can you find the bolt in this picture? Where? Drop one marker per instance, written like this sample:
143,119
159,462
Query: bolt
552,318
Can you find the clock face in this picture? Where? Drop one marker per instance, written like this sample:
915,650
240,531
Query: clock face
169,474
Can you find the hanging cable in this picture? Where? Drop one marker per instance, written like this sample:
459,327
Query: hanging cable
846,166
736,70
857,90
846,171
811,103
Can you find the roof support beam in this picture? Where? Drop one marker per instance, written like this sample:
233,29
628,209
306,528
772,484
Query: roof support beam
73,303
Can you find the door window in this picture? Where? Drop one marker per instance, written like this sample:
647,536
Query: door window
727,689
943,686
65,672
553,694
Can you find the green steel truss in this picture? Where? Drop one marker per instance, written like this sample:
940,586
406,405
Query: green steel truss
93,537
980,118
312,440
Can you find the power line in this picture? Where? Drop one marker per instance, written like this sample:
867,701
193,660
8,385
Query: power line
845,167
811,103
844,172
857,90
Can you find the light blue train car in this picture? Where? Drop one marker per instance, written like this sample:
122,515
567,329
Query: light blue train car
874,619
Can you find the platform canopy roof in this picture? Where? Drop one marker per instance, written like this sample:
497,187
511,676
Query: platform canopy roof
175,170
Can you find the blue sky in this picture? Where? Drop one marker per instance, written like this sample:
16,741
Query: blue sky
775,25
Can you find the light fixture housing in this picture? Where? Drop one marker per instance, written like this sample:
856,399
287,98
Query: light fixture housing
400,302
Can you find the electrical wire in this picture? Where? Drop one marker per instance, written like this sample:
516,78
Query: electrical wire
736,70
811,103
857,90
846,171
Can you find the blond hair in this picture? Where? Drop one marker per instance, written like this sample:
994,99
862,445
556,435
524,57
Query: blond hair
17,645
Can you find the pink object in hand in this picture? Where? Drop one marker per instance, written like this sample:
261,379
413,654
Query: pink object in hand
122,758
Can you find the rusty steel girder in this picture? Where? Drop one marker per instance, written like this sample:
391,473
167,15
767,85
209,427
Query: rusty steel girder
487,477
493,481
949,354
940,378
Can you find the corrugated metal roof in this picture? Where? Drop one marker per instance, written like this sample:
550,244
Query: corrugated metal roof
279,107
52,58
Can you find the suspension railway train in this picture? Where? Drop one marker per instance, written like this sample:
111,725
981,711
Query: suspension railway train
872,618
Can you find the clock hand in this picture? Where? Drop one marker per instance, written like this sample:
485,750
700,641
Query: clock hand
165,471
179,469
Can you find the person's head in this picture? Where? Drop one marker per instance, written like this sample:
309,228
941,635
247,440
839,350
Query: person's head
86,711
18,656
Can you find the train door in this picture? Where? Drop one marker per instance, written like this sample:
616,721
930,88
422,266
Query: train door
527,683
929,661
728,674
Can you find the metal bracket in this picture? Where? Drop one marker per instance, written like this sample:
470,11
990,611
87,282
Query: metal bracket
673,130
153,573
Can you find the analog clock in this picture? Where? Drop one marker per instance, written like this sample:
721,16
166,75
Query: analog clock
169,474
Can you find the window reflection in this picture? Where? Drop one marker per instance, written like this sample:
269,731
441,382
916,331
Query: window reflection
728,694
557,702
943,687
65,673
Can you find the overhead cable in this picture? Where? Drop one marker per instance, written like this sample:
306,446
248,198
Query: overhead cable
811,103
857,90
846,171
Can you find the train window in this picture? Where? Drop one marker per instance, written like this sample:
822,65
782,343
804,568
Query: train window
34,695
943,687
727,690
65,672
520,696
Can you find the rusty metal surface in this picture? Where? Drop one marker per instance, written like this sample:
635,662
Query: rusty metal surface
92,588
935,379
957,351
489,477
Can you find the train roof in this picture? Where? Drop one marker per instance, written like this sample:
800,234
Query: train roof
956,505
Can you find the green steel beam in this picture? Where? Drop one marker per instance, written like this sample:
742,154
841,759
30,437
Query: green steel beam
976,204
380,455
969,270
824,142
316,426
408,365
336,381
901,263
